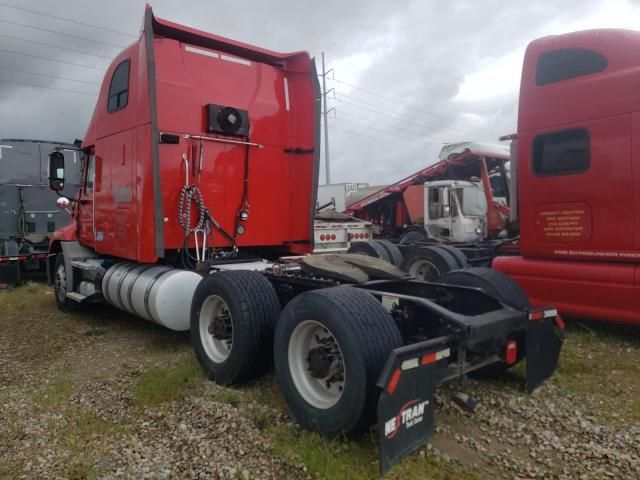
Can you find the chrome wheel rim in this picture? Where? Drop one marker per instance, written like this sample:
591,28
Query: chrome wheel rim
424,270
216,328
316,364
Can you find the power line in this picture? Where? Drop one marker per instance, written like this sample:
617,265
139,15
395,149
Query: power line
67,20
374,129
426,112
55,46
351,132
416,121
62,34
13,52
419,119
47,75
48,88
340,112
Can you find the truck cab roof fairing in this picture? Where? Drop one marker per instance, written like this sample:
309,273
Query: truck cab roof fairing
167,29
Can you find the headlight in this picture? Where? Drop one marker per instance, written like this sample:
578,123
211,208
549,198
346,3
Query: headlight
478,231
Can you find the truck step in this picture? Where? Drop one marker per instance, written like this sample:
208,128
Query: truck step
76,297
79,264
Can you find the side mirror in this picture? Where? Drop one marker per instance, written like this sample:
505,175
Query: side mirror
56,171
62,203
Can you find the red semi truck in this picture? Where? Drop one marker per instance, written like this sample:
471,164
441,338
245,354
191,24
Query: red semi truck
200,167
576,175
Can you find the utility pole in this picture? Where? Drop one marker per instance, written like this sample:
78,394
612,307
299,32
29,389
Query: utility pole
327,167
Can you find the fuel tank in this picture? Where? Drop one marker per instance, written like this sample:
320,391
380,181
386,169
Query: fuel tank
156,293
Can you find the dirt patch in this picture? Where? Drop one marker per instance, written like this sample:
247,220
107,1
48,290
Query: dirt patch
101,394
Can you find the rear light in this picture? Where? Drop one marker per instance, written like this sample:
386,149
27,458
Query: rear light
351,236
322,237
366,235
333,236
511,352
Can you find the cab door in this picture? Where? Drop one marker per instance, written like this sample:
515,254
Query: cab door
86,203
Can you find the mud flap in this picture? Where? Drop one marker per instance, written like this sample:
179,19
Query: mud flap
10,273
406,405
543,344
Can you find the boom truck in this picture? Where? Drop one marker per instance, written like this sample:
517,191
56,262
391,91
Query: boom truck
200,167
464,197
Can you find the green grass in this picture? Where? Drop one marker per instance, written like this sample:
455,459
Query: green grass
95,332
160,385
55,394
334,459
601,366
357,459
226,395
78,434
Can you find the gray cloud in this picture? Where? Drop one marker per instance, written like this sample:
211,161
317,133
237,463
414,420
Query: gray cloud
417,52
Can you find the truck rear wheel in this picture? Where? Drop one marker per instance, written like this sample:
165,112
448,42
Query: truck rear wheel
500,286
330,347
60,285
460,258
395,255
233,315
493,282
427,264
372,249
412,236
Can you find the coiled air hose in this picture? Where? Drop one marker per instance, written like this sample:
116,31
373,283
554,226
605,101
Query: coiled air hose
190,195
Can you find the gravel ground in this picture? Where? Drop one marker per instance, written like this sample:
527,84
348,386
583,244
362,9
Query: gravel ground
99,394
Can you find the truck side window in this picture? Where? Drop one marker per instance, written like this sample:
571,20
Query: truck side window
119,88
434,204
91,173
567,63
561,153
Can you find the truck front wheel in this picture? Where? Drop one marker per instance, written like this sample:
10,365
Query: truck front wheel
60,285
330,347
233,315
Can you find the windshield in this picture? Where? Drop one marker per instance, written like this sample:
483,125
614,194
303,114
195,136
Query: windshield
472,201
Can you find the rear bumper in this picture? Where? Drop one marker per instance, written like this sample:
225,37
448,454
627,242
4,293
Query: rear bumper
411,373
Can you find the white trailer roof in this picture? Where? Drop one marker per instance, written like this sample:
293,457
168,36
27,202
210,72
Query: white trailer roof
488,149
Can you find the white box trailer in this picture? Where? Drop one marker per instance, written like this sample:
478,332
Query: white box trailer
338,193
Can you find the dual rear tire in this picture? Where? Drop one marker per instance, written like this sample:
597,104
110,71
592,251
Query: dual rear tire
426,264
329,347
379,248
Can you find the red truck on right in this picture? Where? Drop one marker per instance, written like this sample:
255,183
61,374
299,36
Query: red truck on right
574,192
576,176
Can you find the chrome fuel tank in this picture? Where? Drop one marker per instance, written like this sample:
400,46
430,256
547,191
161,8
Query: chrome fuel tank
156,293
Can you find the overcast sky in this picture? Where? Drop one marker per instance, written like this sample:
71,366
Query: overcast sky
408,76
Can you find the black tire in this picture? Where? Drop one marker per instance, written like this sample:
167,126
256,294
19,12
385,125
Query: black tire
493,282
59,286
365,334
412,236
372,249
500,286
392,249
253,308
428,263
460,258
